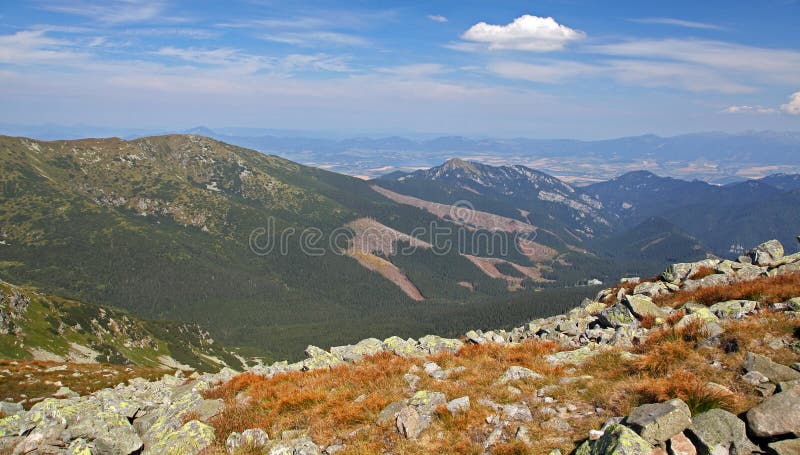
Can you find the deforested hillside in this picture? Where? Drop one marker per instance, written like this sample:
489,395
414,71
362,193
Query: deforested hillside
256,248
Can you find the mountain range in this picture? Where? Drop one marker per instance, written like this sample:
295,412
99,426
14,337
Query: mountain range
268,255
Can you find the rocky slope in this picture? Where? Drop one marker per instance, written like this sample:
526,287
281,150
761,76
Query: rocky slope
43,327
701,359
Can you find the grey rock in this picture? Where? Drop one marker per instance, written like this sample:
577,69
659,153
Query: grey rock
433,344
786,447
11,409
389,413
412,380
618,315
320,359
778,415
718,431
409,423
775,372
616,440
474,337
650,289
733,309
433,370
458,405
190,439
658,422
517,411
767,253
642,306
681,445
517,373
354,353
556,424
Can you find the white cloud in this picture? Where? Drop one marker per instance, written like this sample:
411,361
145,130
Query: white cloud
526,33
437,18
793,106
678,23
745,109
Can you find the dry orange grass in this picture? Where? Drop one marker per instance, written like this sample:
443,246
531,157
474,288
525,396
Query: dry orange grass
670,363
764,290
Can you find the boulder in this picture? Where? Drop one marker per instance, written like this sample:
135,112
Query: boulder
253,438
767,253
733,309
659,422
320,359
778,415
190,439
354,353
681,445
718,431
785,447
434,344
390,412
517,411
517,373
575,357
433,370
650,288
616,440
404,348
458,406
426,401
642,306
409,423
618,315
9,409
775,372
474,337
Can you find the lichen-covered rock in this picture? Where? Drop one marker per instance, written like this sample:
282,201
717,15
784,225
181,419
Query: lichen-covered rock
190,439
517,373
618,315
719,431
79,447
426,401
354,353
733,309
778,415
517,411
404,348
616,440
642,306
658,422
434,344
320,359
767,253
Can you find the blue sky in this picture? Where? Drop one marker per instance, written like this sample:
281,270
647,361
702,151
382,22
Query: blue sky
569,68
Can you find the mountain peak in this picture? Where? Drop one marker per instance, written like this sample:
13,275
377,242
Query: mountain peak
458,163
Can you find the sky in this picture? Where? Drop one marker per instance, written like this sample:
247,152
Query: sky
558,68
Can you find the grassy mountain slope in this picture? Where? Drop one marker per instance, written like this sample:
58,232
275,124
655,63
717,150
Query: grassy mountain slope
162,227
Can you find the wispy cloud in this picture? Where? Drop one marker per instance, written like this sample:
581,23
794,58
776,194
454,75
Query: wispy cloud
678,23
791,108
746,109
109,11
315,39
35,47
526,33
437,18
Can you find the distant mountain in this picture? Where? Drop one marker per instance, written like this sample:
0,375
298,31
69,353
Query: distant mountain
722,217
786,182
513,191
